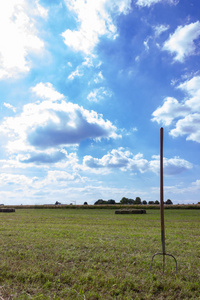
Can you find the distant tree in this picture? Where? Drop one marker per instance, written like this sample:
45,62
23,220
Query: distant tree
100,201
169,202
157,202
144,202
85,203
125,200
137,200
57,203
151,202
131,201
111,201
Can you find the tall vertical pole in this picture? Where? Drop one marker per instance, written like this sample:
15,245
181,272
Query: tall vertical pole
162,197
162,208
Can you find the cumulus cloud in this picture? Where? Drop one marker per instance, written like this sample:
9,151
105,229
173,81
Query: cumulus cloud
47,91
50,187
14,179
185,115
45,158
171,166
192,89
70,129
18,35
170,110
196,184
189,126
50,124
62,177
190,189
95,20
125,160
182,41
117,158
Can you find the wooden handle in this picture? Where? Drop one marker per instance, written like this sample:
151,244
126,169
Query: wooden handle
162,192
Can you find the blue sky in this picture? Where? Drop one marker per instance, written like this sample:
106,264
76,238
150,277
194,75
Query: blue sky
85,87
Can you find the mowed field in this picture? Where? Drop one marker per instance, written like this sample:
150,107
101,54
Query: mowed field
96,254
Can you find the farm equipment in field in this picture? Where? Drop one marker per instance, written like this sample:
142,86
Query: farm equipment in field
163,253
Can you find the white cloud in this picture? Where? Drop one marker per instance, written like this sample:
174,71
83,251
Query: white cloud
147,2
137,59
188,190
196,184
61,178
152,2
88,62
48,124
185,115
125,160
95,20
192,88
98,77
146,44
117,158
182,41
69,64
48,187
47,91
9,106
128,132
77,73
40,10
42,157
171,166
18,36
188,126
14,179
170,110
99,94
159,29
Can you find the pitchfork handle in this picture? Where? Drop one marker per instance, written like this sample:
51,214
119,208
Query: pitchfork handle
162,192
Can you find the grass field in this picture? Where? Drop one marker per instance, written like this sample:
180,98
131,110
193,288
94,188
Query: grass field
95,254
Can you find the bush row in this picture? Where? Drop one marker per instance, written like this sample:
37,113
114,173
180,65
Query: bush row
116,206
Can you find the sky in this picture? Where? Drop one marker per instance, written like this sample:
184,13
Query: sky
85,87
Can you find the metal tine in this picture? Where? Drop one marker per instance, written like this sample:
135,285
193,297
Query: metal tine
162,209
164,254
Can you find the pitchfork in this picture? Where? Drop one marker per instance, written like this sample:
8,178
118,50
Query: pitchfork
163,253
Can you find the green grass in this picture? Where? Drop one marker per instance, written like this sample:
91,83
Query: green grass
95,254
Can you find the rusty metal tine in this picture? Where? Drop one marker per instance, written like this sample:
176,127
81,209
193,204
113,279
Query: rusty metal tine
161,253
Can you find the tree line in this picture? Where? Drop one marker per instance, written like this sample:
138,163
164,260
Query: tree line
129,201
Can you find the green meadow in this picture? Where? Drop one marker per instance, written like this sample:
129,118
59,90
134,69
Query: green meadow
96,254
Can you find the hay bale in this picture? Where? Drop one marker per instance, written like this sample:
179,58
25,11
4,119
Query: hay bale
130,211
7,210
